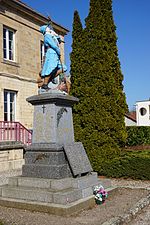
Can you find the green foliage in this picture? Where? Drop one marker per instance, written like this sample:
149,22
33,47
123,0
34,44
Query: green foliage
1,223
138,135
97,82
131,164
75,54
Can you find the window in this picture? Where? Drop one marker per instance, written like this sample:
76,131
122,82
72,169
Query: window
42,52
8,44
143,111
9,105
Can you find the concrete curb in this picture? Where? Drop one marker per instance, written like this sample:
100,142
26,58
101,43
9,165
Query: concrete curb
126,218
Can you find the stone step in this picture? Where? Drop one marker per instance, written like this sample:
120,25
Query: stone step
55,184
67,196
56,209
24,193
83,183
40,194
87,181
58,191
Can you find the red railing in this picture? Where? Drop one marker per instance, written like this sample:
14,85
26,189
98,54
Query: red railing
14,131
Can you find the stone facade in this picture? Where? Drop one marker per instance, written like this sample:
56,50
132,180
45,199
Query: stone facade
20,75
11,156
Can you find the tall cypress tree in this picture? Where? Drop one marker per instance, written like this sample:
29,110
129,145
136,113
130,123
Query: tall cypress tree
76,53
76,70
99,117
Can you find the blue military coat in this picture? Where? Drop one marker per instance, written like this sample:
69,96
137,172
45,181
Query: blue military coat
52,56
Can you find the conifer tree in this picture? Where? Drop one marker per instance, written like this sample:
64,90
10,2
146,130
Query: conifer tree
99,116
76,53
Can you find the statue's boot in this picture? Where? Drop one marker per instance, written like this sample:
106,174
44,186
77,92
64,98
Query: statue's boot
45,84
45,87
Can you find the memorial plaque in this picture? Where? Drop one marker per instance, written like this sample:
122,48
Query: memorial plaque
77,158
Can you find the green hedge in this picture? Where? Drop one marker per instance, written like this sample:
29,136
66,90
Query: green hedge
133,164
138,135
130,164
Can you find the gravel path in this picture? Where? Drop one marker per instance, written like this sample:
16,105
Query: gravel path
143,218
131,183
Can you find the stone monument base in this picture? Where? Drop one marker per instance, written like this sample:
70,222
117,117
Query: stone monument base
55,196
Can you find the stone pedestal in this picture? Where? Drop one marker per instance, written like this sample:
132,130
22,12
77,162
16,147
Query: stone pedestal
53,153
53,121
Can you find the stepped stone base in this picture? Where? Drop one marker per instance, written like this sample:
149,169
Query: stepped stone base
56,161
46,163
56,196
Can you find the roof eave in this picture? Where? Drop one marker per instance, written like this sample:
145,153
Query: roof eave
134,120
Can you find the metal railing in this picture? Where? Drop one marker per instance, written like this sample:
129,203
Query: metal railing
14,131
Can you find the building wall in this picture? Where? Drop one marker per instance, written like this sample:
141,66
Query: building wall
143,113
129,122
21,75
24,88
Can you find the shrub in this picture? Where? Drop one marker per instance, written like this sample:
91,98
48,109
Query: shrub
138,135
131,164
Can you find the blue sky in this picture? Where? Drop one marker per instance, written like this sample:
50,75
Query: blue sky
132,19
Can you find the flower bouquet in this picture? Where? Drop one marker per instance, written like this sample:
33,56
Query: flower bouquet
100,194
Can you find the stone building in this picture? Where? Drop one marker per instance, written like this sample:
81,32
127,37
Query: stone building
21,52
